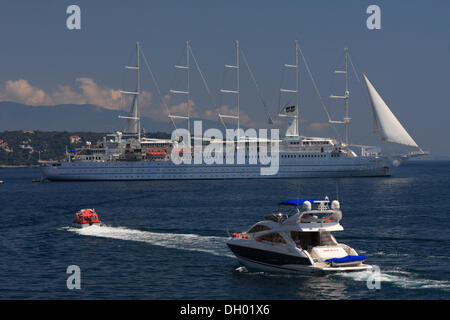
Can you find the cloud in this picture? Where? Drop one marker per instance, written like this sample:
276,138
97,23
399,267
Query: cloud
92,93
318,127
21,91
182,108
244,119
86,92
160,110
65,95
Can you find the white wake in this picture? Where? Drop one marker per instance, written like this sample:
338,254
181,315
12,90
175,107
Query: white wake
398,278
193,242
216,246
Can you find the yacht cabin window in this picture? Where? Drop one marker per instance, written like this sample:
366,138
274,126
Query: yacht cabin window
272,237
258,228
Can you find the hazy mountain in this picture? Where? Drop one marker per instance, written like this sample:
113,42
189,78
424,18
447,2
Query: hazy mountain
79,118
16,116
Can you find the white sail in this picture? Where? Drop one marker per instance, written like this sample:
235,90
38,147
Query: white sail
386,124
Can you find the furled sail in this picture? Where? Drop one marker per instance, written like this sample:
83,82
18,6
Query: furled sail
292,130
386,124
132,125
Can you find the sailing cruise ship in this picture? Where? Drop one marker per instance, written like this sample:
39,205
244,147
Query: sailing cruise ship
130,156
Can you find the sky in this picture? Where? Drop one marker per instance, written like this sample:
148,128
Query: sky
407,60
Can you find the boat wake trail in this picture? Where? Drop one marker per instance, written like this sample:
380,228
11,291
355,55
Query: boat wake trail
398,278
192,242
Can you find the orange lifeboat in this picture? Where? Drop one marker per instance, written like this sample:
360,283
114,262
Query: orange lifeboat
86,218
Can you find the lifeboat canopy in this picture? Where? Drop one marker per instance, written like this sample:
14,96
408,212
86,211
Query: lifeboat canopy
86,217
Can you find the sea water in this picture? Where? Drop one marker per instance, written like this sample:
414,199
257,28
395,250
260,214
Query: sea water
166,239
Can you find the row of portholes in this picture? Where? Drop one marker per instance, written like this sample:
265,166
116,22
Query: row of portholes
303,156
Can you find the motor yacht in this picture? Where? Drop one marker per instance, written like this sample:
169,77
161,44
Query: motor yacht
297,241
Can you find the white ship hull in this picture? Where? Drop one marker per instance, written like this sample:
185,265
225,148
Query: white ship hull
166,170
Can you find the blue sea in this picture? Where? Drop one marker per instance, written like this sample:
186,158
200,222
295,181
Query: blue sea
166,239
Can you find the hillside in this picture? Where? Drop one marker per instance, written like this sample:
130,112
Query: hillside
24,148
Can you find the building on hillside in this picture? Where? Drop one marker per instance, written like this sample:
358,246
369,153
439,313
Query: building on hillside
74,139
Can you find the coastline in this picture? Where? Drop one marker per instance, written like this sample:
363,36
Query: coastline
4,166
33,166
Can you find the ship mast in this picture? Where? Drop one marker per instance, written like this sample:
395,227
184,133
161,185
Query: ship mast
236,92
295,115
138,88
187,91
134,122
346,120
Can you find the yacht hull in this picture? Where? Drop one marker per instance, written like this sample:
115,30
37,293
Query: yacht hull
292,269
284,260
266,257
